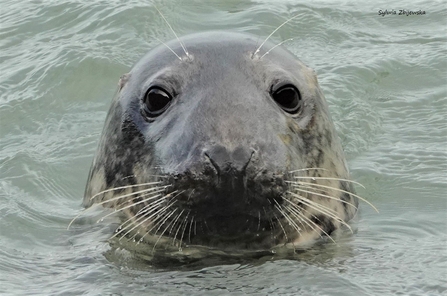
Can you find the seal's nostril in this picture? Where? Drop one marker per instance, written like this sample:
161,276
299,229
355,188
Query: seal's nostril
215,165
229,162
219,158
241,157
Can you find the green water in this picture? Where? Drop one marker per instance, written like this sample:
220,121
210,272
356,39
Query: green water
384,79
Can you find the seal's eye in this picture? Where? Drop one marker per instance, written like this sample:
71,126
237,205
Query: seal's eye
156,101
288,97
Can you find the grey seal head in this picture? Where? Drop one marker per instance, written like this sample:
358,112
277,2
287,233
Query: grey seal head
221,146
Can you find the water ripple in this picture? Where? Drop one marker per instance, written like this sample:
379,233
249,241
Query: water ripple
384,79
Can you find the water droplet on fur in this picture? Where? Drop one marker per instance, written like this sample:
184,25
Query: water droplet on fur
141,239
134,240
273,252
102,220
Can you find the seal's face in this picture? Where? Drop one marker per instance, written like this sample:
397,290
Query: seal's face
221,148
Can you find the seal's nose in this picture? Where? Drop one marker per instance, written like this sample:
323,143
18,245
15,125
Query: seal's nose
229,162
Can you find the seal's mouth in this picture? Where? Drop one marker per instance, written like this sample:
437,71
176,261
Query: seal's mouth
228,228
234,231
232,214
214,219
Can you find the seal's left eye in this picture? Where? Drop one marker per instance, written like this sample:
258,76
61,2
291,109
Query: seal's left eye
288,97
156,101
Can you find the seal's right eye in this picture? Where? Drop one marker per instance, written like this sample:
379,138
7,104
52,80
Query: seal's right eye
156,101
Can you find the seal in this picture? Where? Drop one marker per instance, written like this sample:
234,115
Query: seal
213,141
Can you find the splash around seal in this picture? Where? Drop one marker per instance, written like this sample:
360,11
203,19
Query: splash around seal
221,146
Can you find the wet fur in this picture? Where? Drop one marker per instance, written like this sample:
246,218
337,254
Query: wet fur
311,197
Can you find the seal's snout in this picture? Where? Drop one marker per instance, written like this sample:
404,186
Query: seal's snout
228,182
229,162
229,166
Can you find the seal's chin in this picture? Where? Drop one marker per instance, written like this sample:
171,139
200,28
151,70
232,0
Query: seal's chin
236,230
221,214
215,226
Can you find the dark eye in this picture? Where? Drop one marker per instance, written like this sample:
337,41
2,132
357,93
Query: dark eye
288,98
156,101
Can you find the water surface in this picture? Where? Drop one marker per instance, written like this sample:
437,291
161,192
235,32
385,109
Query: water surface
384,79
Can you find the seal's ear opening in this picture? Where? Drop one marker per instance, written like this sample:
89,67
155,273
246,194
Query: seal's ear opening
123,80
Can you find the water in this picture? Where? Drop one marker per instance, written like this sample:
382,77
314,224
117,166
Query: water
384,78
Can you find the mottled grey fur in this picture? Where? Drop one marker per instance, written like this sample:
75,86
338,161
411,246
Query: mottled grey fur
226,151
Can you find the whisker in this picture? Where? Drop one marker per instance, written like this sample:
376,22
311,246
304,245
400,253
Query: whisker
341,190
146,175
159,212
297,213
155,189
307,169
295,207
274,31
166,228
282,42
147,208
206,224
168,48
324,195
184,228
163,210
93,206
271,220
125,187
160,220
272,224
190,226
142,218
319,190
329,178
181,43
290,220
280,224
173,225
322,209
134,204
308,201
144,210
316,225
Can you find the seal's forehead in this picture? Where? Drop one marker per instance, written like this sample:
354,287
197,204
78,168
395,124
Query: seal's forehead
219,39
224,57
218,46
232,44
